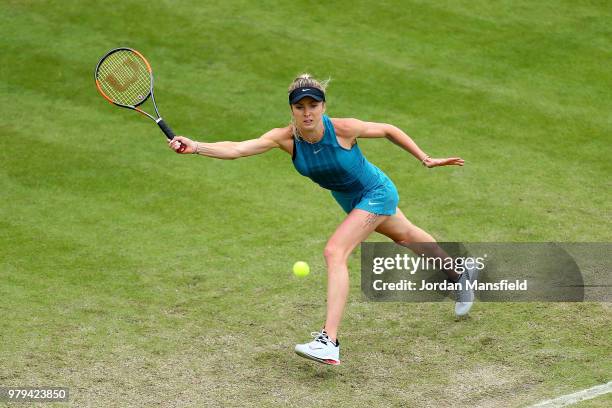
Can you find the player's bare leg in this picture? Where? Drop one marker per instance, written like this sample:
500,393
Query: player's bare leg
403,232
354,229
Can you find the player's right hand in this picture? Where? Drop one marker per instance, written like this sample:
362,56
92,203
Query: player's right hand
182,145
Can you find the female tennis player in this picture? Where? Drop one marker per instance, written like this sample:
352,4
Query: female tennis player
325,150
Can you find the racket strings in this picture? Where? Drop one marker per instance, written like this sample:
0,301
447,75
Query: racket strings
124,78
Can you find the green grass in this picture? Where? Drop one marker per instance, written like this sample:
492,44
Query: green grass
138,277
599,402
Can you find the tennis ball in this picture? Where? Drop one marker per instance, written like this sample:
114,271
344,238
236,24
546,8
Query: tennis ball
301,269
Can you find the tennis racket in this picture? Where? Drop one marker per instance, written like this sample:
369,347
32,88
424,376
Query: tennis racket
124,78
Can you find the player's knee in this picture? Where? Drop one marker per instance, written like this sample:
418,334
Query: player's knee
402,241
334,254
404,238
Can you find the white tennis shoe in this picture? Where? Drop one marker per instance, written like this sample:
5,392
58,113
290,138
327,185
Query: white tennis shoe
321,349
465,296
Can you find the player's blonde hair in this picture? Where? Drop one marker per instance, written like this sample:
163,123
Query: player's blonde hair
305,80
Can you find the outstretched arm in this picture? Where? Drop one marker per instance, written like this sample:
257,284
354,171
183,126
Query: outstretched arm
397,136
228,150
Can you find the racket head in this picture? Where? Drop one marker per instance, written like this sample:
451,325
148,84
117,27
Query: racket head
124,77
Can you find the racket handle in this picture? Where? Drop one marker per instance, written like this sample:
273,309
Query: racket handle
169,133
165,128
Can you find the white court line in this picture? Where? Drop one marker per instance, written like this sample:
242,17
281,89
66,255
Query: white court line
569,399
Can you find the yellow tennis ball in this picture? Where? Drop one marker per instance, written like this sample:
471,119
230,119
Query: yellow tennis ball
301,269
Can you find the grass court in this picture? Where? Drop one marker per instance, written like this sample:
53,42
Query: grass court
137,277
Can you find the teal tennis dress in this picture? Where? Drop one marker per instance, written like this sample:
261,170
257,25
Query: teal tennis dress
354,182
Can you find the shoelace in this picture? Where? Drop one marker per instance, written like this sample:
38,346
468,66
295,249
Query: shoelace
320,336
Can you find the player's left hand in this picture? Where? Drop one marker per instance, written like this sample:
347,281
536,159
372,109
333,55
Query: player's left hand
450,161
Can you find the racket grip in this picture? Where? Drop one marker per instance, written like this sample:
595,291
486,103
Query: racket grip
165,128
169,133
